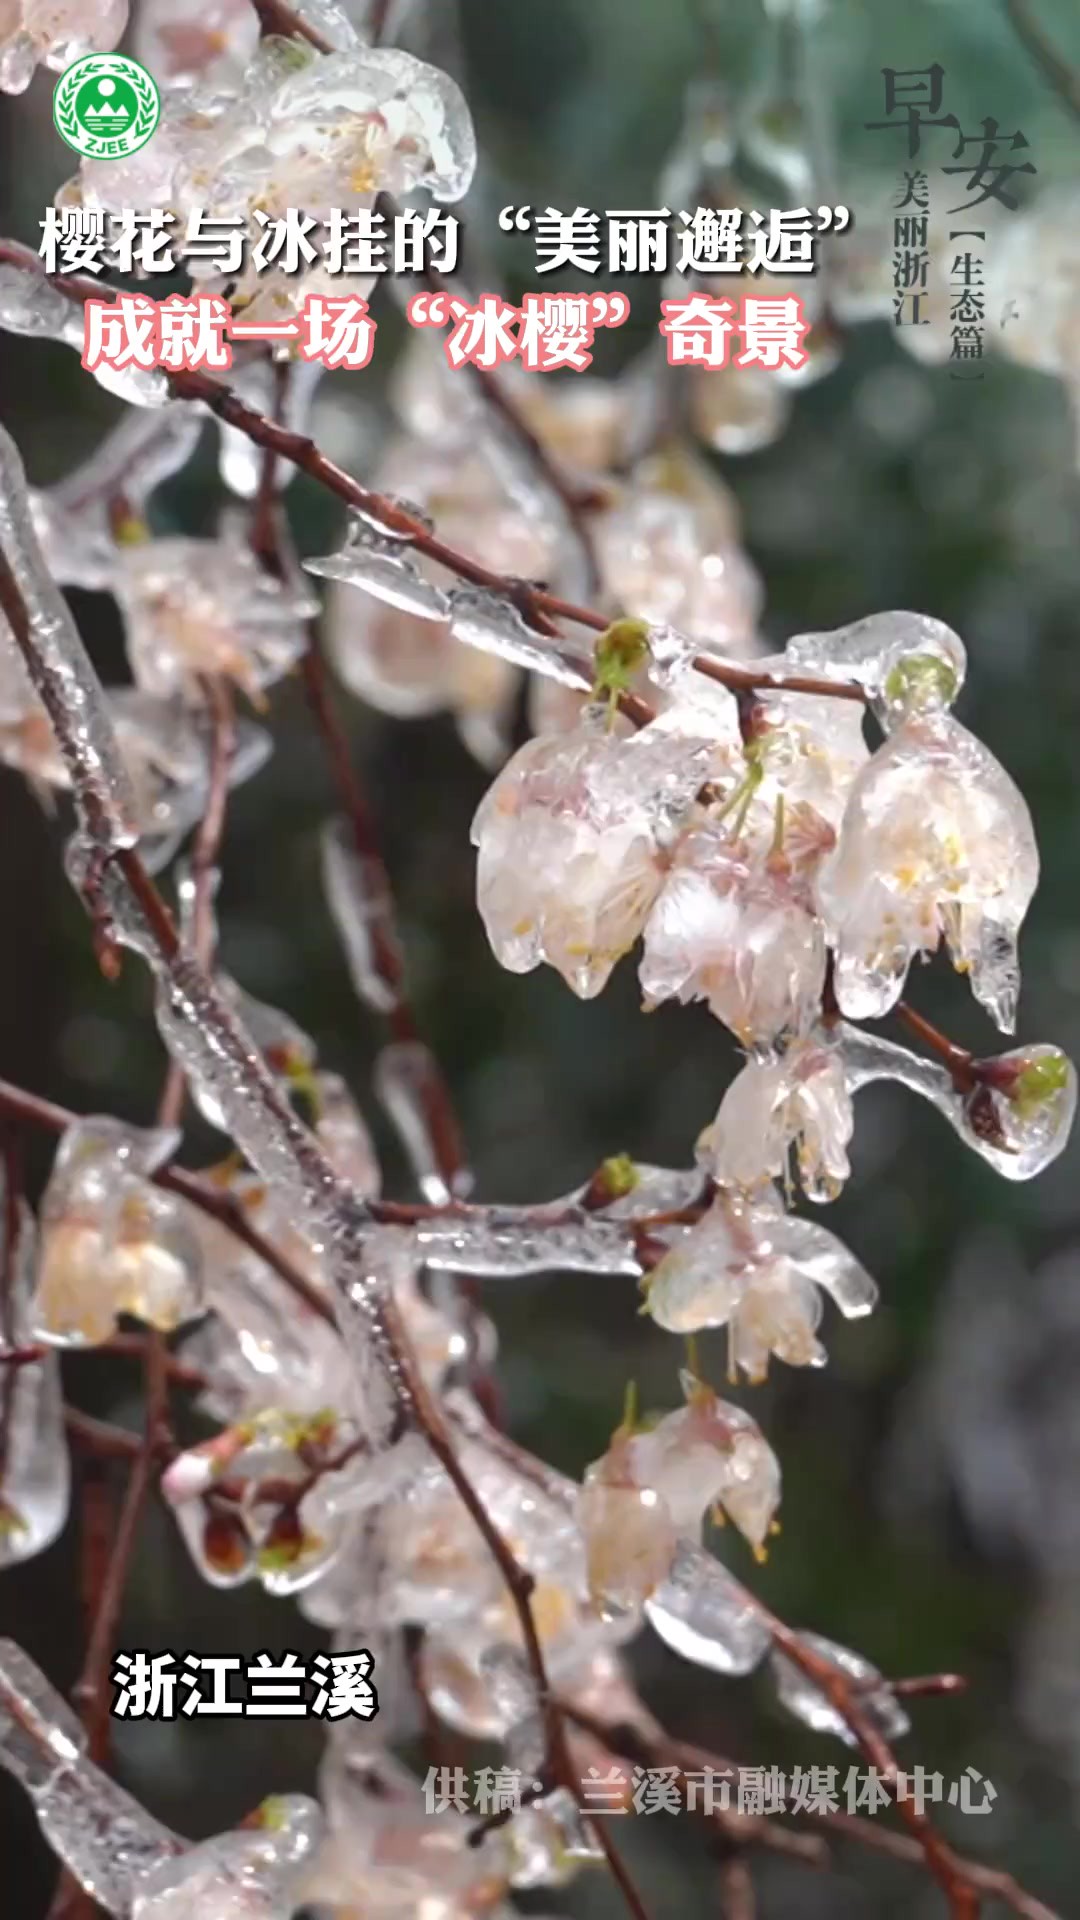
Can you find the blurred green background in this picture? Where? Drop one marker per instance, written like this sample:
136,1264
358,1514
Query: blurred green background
931,1511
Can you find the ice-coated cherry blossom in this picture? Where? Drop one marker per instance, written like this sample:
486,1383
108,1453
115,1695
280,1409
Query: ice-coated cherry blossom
53,33
738,932
570,840
656,1484
287,1477
35,1475
385,1849
799,1103
760,1271
195,607
111,1242
295,129
936,845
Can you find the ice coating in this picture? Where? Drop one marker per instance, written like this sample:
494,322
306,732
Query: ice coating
408,1082
489,623
1017,1114
99,1832
35,1471
53,33
804,1698
111,1242
194,607
383,566
294,128
655,1484
248,1875
750,1266
907,662
799,1102
936,844
670,556
185,41
730,930
30,304
501,1244
704,1615
133,459
219,1057
62,674
240,461
569,841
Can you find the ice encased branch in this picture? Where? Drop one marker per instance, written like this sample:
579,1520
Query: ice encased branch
60,669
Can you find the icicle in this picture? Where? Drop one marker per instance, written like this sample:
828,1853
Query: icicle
363,913
804,1698
382,564
487,621
702,1613
61,671
35,1472
408,1085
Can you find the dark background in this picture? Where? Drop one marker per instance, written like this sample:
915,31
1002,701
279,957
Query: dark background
931,1499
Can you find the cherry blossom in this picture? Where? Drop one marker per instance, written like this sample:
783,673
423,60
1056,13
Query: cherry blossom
936,845
759,1271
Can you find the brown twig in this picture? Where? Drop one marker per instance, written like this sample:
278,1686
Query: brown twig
645,1743
91,1693
948,1869
962,1065
988,1881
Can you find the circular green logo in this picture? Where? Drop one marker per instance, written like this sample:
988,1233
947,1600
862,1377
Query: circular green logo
106,106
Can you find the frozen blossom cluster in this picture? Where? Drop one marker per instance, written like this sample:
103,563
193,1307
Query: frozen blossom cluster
783,837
